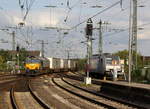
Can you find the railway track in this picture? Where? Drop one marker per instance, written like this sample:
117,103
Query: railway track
13,100
102,95
38,99
30,98
97,82
8,83
27,99
90,98
7,78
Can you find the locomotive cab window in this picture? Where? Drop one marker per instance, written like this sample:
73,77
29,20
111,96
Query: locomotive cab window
32,61
109,61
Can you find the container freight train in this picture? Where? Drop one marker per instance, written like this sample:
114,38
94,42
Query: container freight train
40,65
105,65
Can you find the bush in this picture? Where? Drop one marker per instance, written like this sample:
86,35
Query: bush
137,75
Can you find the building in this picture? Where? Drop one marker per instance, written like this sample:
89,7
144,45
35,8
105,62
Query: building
145,60
29,53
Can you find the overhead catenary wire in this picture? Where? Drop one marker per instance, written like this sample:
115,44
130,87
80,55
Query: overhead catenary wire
115,15
15,36
144,1
75,4
116,3
145,24
25,4
70,8
78,22
80,12
28,9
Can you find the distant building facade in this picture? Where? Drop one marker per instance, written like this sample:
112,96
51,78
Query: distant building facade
29,53
145,60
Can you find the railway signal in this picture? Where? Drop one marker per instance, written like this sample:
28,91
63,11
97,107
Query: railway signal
17,48
89,27
89,31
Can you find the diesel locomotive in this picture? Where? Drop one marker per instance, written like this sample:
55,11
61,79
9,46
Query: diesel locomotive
36,65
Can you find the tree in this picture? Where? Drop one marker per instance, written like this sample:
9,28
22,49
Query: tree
81,64
124,55
136,73
5,55
2,64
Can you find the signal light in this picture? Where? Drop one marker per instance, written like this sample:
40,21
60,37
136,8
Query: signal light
17,48
89,27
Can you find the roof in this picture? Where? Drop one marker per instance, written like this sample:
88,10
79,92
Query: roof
29,53
146,58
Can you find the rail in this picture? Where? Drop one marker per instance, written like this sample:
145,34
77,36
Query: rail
103,95
12,98
136,105
84,97
38,99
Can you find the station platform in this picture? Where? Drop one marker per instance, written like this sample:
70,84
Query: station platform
131,84
134,93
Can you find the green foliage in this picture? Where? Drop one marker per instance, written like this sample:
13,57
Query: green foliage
124,55
22,56
6,56
1,62
146,63
136,74
81,64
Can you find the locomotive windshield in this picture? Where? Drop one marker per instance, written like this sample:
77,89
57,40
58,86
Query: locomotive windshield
33,61
109,61
112,61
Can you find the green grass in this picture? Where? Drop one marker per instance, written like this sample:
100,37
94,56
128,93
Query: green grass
85,85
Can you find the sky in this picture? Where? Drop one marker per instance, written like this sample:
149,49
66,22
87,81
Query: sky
67,14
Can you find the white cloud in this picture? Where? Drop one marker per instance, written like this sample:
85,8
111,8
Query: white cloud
42,19
34,18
